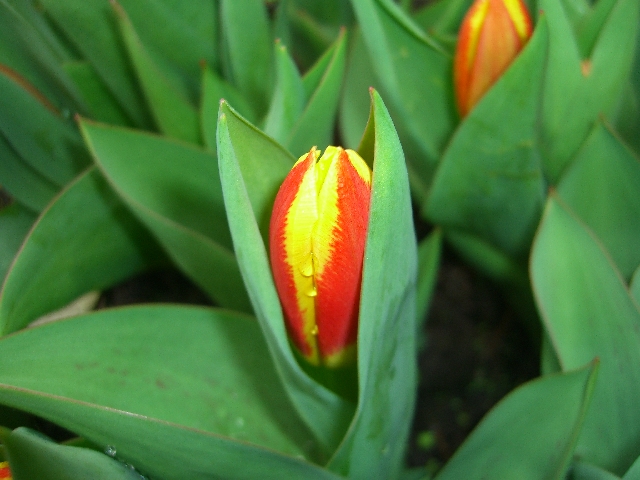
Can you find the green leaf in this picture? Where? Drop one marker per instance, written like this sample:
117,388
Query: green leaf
172,112
85,240
102,105
322,85
240,148
634,472
578,90
31,455
634,287
36,131
489,182
263,164
28,45
15,222
247,42
374,446
585,471
411,68
442,18
288,100
605,169
429,252
588,313
355,108
25,184
530,434
174,189
90,27
178,392
215,89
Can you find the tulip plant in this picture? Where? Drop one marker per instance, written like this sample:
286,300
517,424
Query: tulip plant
138,135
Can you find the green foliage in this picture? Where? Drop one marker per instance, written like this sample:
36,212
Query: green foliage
144,133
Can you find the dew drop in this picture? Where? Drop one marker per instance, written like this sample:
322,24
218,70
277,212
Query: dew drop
111,451
306,269
312,292
314,330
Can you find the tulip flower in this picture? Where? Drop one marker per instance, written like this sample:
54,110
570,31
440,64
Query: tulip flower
5,473
491,35
317,237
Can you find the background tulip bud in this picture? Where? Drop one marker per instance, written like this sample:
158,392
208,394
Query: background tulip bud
491,35
5,473
317,237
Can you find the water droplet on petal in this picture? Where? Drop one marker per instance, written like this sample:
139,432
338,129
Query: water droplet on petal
312,292
306,269
110,450
314,330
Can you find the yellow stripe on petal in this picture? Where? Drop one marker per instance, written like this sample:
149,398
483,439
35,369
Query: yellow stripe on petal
300,221
520,17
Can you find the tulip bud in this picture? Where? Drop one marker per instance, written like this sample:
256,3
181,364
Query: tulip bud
491,35
317,237
5,473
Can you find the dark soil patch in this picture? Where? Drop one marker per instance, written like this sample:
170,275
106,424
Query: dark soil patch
475,351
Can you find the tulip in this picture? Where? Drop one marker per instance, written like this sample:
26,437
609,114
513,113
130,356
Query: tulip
5,473
491,35
317,237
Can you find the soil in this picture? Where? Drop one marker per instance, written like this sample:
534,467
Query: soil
476,350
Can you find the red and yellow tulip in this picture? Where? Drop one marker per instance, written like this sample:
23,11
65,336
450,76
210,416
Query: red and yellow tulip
5,473
491,35
317,238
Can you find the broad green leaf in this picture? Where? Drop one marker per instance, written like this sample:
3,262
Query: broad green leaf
84,240
247,47
15,222
592,23
634,288
174,115
604,170
530,434
375,443
585,471
50,144
263,164
429,252
588,313
215,89
355,108
29,46
322,84
241,146
634,472
355,104
489,182
188,35
174,189
178,392
411,68
577,90
288,100
25,184
442,18
101,103
31,455
91,28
